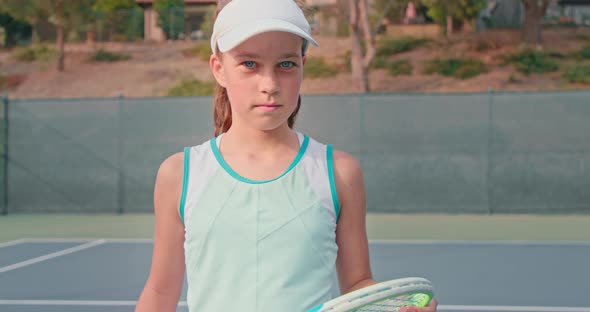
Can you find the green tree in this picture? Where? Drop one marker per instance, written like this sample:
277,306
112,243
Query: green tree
121,16
391,10
170,16
114,5
458,12
25,10
64,14
17,31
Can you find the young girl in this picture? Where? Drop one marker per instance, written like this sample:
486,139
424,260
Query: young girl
261,216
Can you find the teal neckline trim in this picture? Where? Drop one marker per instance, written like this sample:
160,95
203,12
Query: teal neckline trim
330,156
238,177
184,182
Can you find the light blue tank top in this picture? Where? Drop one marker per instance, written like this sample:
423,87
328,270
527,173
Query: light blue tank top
259,246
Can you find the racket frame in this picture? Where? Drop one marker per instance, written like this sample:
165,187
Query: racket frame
364,296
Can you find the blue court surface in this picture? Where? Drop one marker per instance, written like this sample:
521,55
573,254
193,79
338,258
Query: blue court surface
53,275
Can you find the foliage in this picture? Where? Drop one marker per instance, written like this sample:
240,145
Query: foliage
17,31
532,61
170,16
514,79
34,53
201,50
124,18
114,5
399,67
462,68
583,35
122,24
391,46
109,57
192,88
26,10
316,67
578,74
584,53
207,24
379,62
459,10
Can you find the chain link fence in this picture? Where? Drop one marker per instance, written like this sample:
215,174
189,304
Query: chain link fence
421,153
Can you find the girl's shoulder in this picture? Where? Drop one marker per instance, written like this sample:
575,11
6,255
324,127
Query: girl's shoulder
346,166
172,169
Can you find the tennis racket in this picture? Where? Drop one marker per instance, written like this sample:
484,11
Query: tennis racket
386,296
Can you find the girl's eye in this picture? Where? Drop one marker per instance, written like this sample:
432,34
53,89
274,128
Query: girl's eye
287,64
249,64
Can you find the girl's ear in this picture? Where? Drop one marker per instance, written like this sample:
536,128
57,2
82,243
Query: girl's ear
304,59
217,69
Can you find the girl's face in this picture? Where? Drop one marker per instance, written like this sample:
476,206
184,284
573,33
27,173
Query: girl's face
263,77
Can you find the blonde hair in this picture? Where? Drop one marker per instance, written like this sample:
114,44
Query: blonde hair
222,117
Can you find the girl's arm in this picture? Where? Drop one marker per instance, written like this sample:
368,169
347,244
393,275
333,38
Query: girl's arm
164,284
352,262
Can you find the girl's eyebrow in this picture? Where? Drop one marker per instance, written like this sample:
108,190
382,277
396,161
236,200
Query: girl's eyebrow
256,56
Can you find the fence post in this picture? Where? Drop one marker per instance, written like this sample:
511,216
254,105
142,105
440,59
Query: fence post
120,167
489,151
362,145
5,154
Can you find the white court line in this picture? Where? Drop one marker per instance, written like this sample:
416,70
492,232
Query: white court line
183,304
50,256
76,302
12,243
83,240
479,242
57,240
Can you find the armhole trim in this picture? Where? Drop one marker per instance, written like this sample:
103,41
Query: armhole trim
330,158
184,182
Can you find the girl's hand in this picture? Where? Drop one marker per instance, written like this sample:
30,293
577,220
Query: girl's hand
430,308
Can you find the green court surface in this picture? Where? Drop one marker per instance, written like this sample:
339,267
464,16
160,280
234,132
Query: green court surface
379,227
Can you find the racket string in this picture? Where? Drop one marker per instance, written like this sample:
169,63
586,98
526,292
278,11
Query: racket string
392,304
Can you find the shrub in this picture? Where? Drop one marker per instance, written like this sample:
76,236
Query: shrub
316,67
107,56
201,50
578,74
399,67
528,62
391,46
192,88
584,53
584,36
459,68
31,54
379,62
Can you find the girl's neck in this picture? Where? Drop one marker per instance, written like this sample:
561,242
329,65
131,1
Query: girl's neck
249,141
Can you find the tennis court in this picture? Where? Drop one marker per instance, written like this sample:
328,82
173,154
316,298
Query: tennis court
499,267
486,194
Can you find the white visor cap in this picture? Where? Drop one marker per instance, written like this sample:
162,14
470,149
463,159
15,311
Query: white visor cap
242,19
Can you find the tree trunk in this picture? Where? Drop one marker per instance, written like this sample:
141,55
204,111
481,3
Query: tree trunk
34,35
360,60
359,77
531,29
60,47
